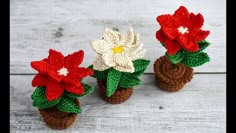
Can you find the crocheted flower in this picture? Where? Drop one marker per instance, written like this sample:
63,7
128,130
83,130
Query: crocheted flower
59,73
117,50
181,30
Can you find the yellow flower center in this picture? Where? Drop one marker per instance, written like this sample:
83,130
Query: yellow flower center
118,49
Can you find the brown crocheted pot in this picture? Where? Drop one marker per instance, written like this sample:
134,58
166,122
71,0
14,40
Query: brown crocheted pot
56,119
169,77
119,96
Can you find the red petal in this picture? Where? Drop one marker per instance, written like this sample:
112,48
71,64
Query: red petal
55,59
76,74
74,89
166,20
187,43
168,26
71,80
199,35
45,59
39,80
80,72
172,46
160,36
181,16
170,32
75,59
40,66
195,21
53,74
54,90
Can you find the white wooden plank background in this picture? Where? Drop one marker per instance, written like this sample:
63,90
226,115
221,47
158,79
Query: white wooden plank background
69,25
198,108
34,27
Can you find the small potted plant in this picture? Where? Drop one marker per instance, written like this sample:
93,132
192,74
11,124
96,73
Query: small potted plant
118,64
58,85
184,40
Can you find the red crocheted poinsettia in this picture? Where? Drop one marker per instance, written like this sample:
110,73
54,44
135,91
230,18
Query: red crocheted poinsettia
181,30
58,73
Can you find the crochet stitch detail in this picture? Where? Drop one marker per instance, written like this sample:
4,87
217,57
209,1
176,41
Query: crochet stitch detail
191,59
182,30
87,90
128,81
113,79
123,79
117,51
64,103
119,96
118,60
196,60
56,119
67,105
99,74
40,101
55,82
59,82
169,77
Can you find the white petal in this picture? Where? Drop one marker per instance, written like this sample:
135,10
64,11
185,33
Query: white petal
135,52
136,41
111,36
139,54
128,38
128,69
108,59
100,46
123,63
99,64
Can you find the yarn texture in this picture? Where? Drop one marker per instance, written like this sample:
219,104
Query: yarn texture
116,78
183,38
171,78
119,61
59,73
181,30
117,50
119,96
56,119
185,41
59,81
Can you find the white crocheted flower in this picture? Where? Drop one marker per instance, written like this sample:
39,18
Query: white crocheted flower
117,50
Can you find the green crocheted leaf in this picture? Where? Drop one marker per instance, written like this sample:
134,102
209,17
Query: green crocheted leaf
67,105
99,74
40,100
140,64
203,44
196,59
137,74
128,81
87,90
112,81
176,58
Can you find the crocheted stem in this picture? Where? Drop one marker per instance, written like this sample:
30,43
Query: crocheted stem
169,78
56,119
120,95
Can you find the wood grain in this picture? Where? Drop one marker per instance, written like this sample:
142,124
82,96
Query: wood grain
70,25
67,26
198,108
